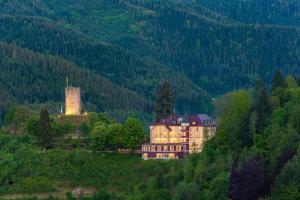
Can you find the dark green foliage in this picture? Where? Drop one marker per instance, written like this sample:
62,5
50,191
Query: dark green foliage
247,183
286,185
278,86
25,168
187,43
100,137
110,61
16,118
295,117
32,125
134,133
44,132
108,135
256,11
231,125
187,191
165,101
278,81
42,78
200,43
266,168
262,109
102,195
218,188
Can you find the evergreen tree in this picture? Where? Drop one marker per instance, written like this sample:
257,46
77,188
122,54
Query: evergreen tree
278,80
291,82
278,86
165,101
262,108
258,87
45,132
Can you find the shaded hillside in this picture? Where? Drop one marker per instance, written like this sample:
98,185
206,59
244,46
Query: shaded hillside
142,76
28,77
281,12
215,52
216,56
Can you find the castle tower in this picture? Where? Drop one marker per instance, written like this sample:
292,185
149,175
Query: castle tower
73,102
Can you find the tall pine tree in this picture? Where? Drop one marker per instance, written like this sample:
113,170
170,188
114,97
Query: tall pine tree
278,87
165,101
45,132
262,108
278,80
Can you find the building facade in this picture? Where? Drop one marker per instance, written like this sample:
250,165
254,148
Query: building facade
72,101
177,136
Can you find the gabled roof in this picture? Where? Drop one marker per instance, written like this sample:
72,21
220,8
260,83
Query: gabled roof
177,120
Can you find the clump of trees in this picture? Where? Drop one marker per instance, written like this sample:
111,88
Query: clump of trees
255,153
107,134
99,132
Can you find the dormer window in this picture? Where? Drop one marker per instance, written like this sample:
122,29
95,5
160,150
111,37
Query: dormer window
194,123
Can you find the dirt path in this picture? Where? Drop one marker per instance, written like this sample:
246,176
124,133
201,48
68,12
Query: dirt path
76,192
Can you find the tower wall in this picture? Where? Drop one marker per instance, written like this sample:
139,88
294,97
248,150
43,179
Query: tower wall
73,102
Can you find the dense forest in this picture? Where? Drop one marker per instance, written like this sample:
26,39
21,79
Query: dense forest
31,78
122,68
137,57
286,12
254,154
215,50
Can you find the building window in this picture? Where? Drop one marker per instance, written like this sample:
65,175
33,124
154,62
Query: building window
165,148
172,155
159,148
152,148
171,148
178,148
145,155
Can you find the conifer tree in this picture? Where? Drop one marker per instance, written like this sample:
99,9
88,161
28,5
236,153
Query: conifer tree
278,80
258,87
263,109
165,101
45,133
278,86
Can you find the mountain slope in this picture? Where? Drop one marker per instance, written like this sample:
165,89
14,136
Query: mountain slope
217,53
28,77
279,12
119,66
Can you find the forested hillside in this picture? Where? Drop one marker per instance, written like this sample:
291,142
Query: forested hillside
143,76
280,12
28,78
255,154
214,50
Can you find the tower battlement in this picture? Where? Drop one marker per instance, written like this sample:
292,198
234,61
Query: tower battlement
72,101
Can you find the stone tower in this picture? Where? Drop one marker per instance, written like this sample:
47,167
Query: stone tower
73,102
